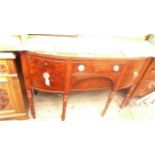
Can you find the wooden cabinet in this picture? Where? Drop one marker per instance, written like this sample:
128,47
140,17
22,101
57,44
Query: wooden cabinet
11,99
62,74
147,83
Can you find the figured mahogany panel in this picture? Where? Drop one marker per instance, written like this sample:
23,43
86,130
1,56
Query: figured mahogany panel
92,83
85,74
46,73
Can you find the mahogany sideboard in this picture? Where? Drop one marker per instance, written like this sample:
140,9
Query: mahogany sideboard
11,97
61,74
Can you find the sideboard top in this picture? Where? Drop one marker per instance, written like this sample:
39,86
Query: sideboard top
89,46
81,46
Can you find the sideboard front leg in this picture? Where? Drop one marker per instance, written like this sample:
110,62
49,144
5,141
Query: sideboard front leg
65,99
108,103
31,103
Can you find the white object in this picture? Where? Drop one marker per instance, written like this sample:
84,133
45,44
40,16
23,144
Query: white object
135,73
116,68
81,68
46,77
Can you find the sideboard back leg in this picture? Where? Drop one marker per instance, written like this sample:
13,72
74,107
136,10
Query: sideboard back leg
65,99
108,103
127,97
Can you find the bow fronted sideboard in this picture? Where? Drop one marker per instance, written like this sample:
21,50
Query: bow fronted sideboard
61,74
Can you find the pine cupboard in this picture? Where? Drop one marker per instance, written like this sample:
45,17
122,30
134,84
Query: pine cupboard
12,105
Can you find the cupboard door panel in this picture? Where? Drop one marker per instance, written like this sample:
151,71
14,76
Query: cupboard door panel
7,104
132,73
147,84
151,75
145,88
47,74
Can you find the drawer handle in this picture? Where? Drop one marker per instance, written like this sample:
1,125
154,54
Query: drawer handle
81,68
116,68
46,77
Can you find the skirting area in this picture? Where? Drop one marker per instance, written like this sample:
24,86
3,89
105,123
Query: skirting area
88,106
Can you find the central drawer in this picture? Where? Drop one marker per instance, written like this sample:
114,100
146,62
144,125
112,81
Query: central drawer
46,73
97,74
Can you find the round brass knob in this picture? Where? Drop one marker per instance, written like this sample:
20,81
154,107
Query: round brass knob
135,73
116,68
81,68
46,75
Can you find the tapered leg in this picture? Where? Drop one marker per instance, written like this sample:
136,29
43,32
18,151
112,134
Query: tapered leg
31,103
108,103
127,97
65,98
